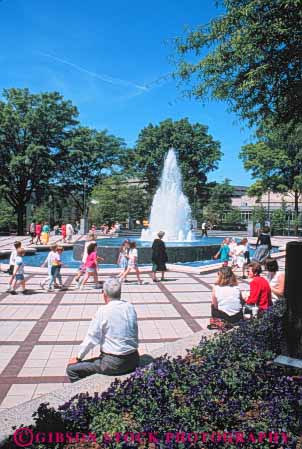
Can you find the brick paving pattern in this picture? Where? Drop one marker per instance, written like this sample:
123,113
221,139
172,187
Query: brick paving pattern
41,331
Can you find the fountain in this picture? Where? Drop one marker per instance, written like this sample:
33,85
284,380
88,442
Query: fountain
171,213
170,210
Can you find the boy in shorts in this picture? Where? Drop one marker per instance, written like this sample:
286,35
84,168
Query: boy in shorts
49,260
12,261
18,274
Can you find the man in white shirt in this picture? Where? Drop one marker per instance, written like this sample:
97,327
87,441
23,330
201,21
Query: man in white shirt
69,232
204,229
114,328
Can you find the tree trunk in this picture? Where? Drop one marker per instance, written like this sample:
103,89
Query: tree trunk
20,215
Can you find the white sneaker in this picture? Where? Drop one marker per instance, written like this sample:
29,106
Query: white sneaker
77,283
9,288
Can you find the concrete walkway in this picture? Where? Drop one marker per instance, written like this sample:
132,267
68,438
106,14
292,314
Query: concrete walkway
40,331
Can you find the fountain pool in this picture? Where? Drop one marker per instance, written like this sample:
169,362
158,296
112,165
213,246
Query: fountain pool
69,261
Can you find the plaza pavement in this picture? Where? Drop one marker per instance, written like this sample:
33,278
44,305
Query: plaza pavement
41,331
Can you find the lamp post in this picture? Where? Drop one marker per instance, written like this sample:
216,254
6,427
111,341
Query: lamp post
84,221
268,206
50,199
195,192
84,199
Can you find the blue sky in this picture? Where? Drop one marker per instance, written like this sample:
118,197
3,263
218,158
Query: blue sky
103,54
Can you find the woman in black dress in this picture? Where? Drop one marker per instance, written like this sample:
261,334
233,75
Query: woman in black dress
159,257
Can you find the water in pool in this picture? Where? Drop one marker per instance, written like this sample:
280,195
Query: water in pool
69,262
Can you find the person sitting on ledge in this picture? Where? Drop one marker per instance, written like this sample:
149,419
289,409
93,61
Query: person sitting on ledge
260,291
226,297
115,329
275,278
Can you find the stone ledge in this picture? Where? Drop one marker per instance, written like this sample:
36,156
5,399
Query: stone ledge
22,413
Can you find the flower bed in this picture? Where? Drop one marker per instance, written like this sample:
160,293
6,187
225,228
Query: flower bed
224,385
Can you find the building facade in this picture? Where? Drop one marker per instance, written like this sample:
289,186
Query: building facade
270,201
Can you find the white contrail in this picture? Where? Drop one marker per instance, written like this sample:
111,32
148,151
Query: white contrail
105,78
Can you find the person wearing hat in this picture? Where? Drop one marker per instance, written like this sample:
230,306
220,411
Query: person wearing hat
159,257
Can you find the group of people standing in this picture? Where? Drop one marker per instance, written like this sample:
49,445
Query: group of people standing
239,253
128,259
40,233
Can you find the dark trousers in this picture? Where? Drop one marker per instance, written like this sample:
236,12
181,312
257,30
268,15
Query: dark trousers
224,316
111,365
204,232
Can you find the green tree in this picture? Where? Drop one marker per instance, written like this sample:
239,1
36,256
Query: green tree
198,153
278,219
88,157
275,161
7,218
220,201
32,129
259,215
250,56
116,200
233,217
41,213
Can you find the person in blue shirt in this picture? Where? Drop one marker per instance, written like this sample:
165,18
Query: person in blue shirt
223,253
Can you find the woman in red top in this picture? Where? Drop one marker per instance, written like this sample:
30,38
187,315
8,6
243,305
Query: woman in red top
260,291
91,265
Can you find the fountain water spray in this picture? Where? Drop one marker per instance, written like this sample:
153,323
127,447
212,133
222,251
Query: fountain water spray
170,210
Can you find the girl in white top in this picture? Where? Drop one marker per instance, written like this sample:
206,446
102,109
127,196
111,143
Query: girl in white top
239,255
275,278
226,297
132,263
233,248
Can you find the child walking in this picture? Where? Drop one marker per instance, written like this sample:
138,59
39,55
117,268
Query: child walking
122,260
132,263
12,258
49,262
91,265
55,272
12,261
91,238
18,274
224,253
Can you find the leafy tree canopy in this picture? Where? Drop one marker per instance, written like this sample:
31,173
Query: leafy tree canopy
275,160
250,56
32,129
117,200
279,219
198,153
220,201
87,158
7,218
259,215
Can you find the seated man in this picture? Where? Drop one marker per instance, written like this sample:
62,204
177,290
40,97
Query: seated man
260,291
115,329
